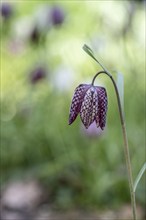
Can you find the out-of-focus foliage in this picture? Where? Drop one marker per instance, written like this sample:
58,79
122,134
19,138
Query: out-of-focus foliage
42,62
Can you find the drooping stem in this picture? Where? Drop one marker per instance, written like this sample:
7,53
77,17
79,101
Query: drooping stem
126,147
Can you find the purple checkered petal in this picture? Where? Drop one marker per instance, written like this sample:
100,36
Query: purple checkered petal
78,97
102,106
89,108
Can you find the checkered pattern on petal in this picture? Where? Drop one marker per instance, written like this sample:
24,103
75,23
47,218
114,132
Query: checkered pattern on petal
77,101
89,108
102,106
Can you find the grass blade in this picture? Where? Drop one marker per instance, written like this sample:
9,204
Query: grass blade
141,172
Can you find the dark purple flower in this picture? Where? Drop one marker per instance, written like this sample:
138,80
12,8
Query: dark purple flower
6,10
57,15
35,35
37,74
91,102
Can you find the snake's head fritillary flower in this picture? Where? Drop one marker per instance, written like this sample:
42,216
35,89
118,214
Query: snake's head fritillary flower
35,35
57,15
37,74
6,10
91,102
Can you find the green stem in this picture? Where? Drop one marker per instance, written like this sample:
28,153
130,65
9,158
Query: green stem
126,148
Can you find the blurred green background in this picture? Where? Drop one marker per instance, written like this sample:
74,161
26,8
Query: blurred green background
42,62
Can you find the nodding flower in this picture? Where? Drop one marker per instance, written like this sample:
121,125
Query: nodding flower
6,10
37,74
91,102
57,15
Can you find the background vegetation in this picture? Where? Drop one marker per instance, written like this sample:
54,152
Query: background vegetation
42,62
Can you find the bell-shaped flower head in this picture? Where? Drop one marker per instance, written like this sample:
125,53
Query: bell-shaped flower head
91,102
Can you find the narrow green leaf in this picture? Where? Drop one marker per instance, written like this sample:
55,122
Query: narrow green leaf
88,50
120,86
141,172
